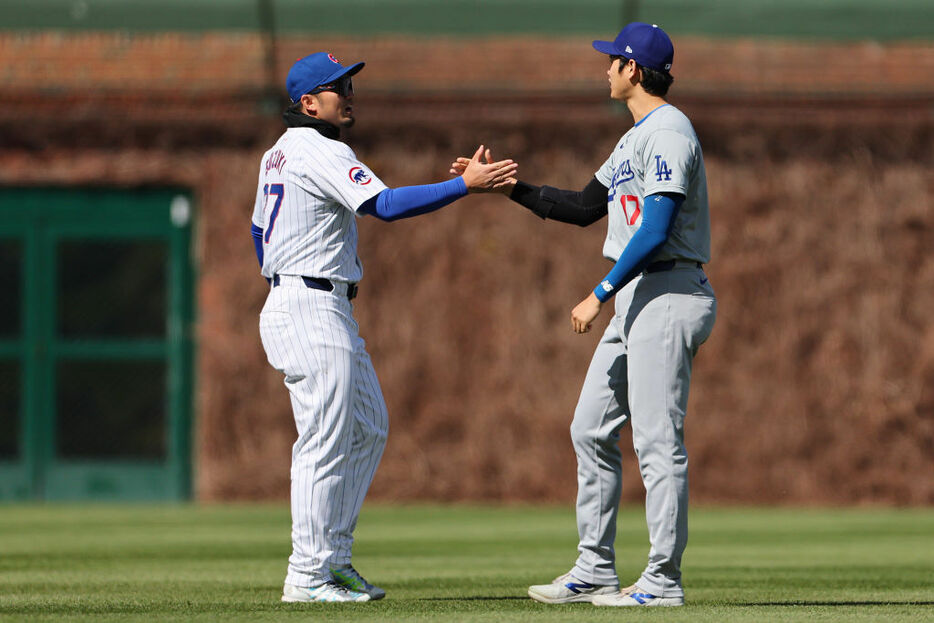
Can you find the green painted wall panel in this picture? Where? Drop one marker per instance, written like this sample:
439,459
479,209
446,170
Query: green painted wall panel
828,19
15,481
42,220
110,481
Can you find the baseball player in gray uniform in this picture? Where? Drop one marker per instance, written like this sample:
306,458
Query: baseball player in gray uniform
311,190
653,188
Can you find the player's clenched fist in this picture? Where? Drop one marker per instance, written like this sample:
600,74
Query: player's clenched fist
499,176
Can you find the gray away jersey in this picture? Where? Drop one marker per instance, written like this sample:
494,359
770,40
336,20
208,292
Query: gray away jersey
310,188
661,153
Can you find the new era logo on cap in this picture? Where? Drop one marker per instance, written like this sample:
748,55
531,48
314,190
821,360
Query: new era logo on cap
647,44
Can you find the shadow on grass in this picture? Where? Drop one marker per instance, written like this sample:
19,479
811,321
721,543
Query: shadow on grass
837,603
740,604
475,598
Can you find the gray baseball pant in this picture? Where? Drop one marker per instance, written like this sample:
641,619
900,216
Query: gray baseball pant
641,372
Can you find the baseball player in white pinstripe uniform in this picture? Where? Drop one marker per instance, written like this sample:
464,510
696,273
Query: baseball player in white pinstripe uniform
654,189
311,190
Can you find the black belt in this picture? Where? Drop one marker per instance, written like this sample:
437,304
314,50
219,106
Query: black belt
318,283
657,267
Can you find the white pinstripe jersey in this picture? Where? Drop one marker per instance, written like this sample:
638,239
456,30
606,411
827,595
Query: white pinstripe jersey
661,153
307,197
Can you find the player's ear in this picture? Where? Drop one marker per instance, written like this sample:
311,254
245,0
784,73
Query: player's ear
636,73
309,104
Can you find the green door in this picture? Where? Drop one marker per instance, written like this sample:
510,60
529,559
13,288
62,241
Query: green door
95,344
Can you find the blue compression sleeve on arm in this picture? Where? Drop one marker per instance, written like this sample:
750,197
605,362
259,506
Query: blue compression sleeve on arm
658,217
406,201
257,232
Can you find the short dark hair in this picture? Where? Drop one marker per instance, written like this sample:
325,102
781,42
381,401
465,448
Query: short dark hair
654,82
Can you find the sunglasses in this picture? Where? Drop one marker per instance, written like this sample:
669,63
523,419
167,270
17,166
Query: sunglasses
343,87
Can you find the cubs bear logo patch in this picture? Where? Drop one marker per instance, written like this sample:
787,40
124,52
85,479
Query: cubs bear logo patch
359,176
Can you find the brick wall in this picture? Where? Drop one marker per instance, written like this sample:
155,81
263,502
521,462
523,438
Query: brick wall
54,63
815,387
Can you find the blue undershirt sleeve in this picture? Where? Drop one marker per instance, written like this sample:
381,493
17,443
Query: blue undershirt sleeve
406,201
257,233
658,217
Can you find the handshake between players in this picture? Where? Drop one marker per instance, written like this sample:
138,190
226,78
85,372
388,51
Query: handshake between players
485,178
488,176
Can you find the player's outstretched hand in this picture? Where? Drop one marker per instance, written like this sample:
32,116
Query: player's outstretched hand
583,315
486,177
459,165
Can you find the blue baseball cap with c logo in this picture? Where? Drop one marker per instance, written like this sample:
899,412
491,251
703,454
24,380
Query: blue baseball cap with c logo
315,70
647,44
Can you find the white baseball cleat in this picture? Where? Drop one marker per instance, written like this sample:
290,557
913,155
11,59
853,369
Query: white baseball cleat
566,589
350,578
635,596
327,592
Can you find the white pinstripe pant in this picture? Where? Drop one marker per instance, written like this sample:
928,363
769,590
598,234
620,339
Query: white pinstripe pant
340,416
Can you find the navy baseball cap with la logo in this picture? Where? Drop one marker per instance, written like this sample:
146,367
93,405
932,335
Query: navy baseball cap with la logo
647,44
315,70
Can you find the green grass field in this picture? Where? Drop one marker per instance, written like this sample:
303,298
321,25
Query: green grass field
187,563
